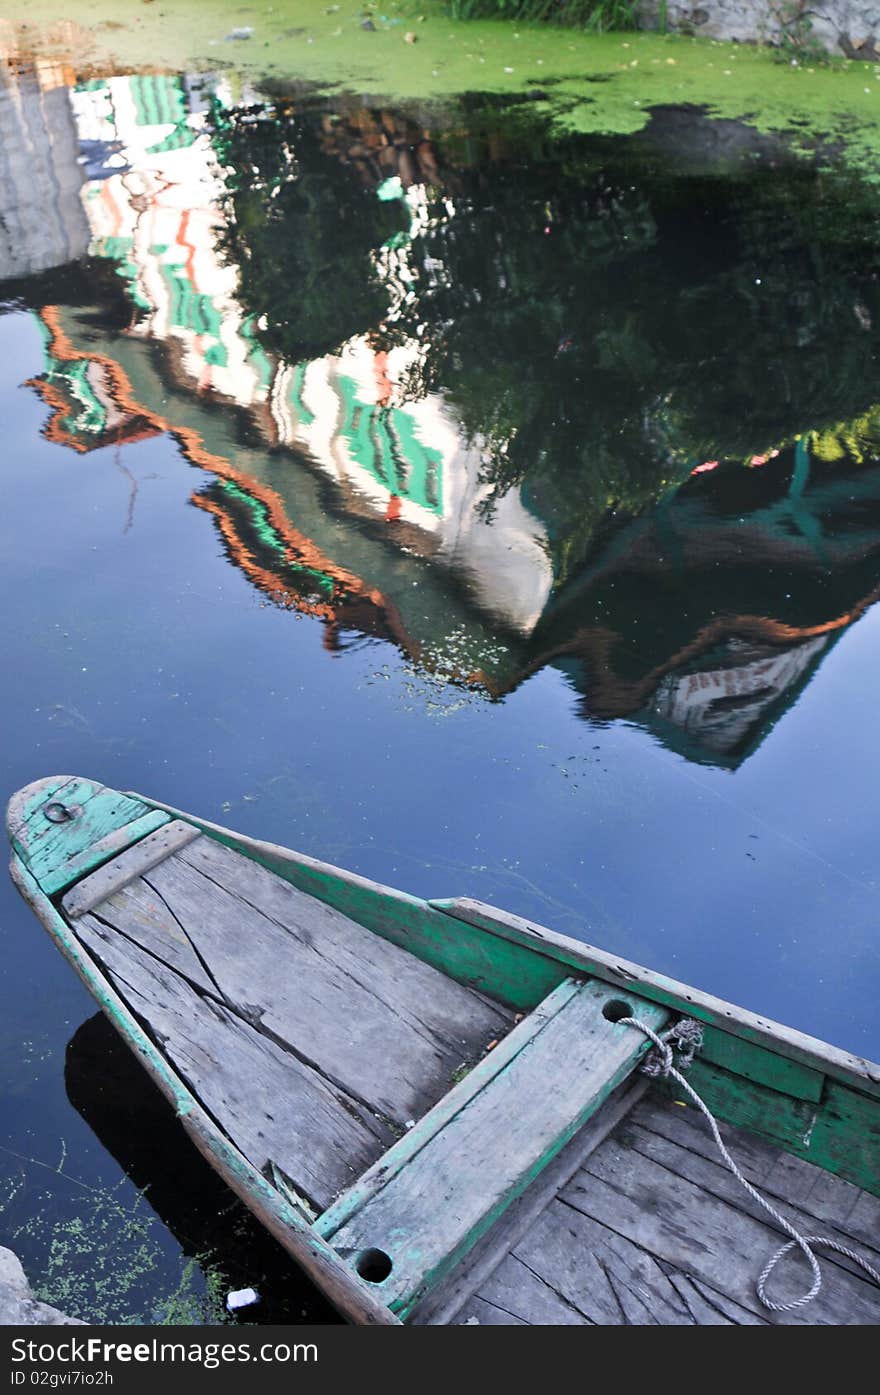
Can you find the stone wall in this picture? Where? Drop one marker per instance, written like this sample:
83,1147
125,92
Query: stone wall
844,27
17,1303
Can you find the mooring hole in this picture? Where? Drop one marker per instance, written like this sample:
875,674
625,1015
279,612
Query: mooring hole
373,1265
616,1008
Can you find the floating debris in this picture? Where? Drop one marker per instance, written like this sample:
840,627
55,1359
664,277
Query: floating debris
241,1298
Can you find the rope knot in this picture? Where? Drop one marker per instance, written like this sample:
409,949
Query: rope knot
659,1061
688,1037
685,1037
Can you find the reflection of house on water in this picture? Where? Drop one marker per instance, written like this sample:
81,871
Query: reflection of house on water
717,709
156,217
703,617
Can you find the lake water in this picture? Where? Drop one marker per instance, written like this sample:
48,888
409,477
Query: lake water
492,512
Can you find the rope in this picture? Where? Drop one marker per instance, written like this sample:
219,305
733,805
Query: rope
687,1035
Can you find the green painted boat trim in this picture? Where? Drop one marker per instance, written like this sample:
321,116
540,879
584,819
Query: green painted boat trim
728,1020
102,851
96,824
773,1067
814,1100
760,1066
840,1134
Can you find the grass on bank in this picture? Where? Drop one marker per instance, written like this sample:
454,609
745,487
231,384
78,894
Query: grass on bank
597,16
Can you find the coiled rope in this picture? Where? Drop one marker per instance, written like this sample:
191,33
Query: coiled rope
687,1037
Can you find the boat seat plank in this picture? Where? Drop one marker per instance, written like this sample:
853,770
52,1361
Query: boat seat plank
452,1103
467,1278
275,1108
127,866
432,1210
370,1019
653,1229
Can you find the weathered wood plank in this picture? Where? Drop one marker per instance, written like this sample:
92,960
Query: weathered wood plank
101,822
127,866
419,993
446,1300
711,1240
511,973
601,1277
372,1030
604,1277
136,913
445,1110
483,1314
271,1105
709,1172
817,1193
386,1028
355,1299
779,1040
607,1278
708,1307
434,1209
516,1292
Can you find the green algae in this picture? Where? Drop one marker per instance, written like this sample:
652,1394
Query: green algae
605,83
100,1259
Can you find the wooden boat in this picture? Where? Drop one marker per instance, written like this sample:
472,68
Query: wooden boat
438,1108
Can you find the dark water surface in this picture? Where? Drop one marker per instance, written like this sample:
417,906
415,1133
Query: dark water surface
495,514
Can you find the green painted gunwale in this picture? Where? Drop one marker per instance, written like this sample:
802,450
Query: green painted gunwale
810,1098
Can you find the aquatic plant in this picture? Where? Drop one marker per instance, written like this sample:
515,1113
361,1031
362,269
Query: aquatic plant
596,15
101,1259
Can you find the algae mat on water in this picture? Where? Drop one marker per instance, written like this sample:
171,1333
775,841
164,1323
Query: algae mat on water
593,83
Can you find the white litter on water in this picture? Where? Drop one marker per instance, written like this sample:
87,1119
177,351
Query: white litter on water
241,1298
